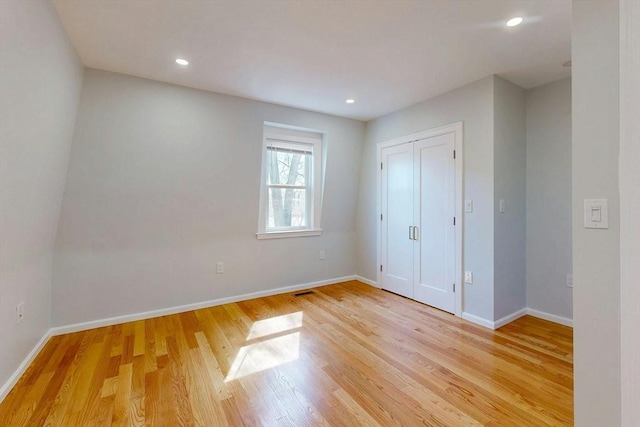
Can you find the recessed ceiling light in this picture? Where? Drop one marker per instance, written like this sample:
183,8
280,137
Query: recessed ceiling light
514,21
350,101
182,61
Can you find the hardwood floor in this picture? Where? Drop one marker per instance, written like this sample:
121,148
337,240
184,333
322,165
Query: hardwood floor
344,355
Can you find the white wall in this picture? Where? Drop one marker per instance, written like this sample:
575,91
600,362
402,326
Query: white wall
473,104
549,247
596,253
164,181
40,79
509,185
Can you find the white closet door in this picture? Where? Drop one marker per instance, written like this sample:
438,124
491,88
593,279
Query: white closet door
396,201
434,257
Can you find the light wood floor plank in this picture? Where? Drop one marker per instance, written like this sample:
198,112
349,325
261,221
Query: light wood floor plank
343,355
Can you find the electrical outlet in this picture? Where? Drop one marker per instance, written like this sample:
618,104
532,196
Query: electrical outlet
219,267
570,280
468,277
321,253
19,312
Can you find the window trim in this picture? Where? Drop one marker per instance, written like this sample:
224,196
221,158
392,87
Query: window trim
296,135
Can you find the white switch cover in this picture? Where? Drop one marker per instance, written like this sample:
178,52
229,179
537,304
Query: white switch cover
321,253
468,277
219,267
468,205
570,280
502,206
596,213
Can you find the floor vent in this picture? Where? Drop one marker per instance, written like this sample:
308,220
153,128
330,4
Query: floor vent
299,294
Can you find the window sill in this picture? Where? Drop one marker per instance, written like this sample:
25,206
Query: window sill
285,234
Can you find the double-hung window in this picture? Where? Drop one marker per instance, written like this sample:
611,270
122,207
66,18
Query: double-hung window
291,191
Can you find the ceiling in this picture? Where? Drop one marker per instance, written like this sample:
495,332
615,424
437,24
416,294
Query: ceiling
314,54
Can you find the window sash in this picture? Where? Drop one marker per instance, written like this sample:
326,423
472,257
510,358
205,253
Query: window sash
282,146
292,147
285,186
305,217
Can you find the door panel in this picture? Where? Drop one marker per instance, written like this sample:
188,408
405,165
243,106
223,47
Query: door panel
397,209
434,255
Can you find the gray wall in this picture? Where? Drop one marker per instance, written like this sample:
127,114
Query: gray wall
596,253
549,257
509,184
40,79
629,168
473,104
164,181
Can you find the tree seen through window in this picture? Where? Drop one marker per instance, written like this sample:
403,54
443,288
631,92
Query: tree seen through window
288,182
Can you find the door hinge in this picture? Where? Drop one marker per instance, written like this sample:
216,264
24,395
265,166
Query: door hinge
380,267
454,154
380,166
454,220
380,217
454,287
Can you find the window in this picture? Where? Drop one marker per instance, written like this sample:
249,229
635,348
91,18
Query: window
291,190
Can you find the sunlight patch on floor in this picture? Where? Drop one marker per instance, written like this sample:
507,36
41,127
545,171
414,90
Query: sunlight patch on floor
275,325
268,352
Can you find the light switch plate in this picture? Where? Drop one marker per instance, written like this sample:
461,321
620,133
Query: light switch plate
468,206
502,206
468,277
596,213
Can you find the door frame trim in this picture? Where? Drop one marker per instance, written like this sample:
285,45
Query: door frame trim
457,130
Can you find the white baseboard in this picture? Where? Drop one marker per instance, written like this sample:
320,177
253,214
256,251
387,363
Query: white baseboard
13,379
516,315
550,317
478,320
367,281
83,326
509,318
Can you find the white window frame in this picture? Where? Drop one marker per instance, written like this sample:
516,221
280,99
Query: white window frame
275,134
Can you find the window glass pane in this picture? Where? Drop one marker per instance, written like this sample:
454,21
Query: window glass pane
286,168
287,208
